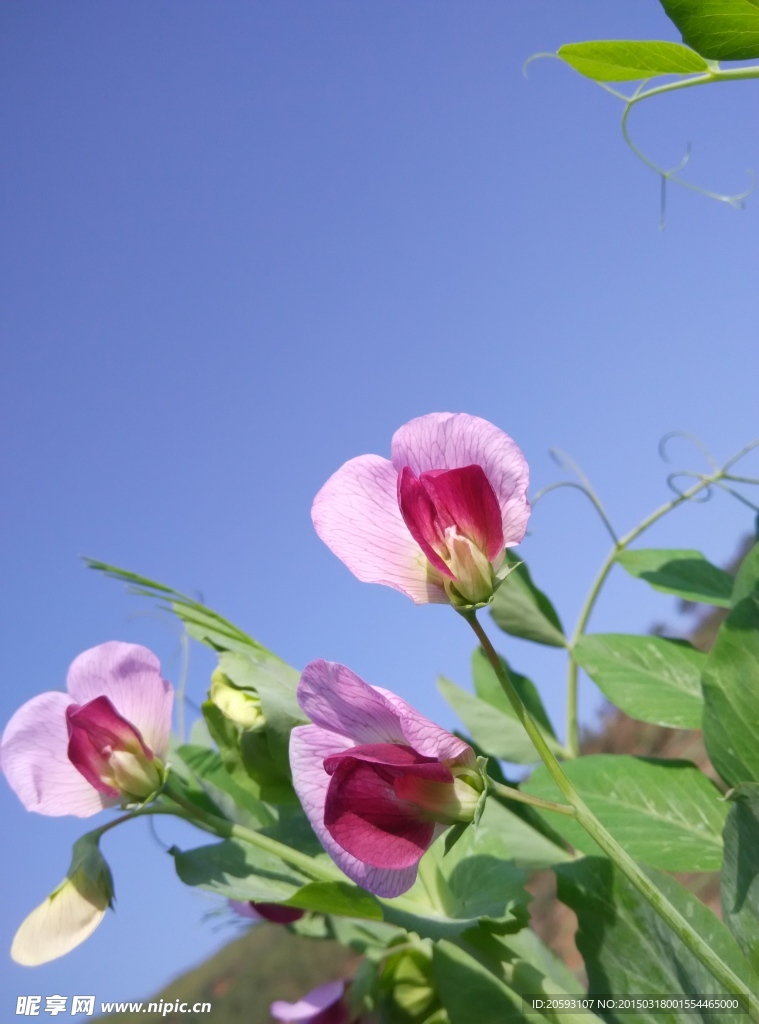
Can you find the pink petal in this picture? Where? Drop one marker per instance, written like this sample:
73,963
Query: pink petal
311,1008
356,514
363,812
425,736
309,746
470,503
335,698
421,518
130,675
34,758
444,440
95,730
391,755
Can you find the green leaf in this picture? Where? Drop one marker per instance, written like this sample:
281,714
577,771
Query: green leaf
238,871
718,29
514,840
650,678
235,802
740,874
488,688
489,716
201,622
685,573
470,992
342,898
530,969
731,695
497,733
629,950
665,813
247,757
747,578
453,891
626,60
522,610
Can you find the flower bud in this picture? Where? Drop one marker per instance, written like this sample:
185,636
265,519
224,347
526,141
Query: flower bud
240,705
71,913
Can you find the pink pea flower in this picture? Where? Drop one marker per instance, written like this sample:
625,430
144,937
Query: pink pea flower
274,912
103,741
435,521
323,1005
378,781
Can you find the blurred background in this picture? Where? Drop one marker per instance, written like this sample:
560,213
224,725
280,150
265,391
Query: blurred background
244,241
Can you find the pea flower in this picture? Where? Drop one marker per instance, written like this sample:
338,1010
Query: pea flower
323,1005
435,521
378,781
277,913
102,742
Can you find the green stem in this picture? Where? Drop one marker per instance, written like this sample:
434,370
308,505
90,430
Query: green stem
141,812
509,793
573,739
717,75
604,839
228,830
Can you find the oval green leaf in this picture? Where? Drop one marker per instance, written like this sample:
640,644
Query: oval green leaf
731,695
629,949
684,573
627,60
650,678
718,29
664,813
522,610
740,874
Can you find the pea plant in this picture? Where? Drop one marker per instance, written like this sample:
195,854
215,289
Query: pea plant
339,811
332,807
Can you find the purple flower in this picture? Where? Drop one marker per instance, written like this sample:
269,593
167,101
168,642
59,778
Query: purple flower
378,781
323,1005
104,740
435,521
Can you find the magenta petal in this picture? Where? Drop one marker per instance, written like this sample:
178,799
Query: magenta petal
469,501
130,676
34,758
356,514
309,746
445,440
278,914
95,731
335,698
321,1006
364,815
421,517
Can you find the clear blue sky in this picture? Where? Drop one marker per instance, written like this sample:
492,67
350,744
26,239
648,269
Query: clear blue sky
245,240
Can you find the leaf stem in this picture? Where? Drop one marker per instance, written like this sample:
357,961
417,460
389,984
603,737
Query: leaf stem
510,793
596,830
229,830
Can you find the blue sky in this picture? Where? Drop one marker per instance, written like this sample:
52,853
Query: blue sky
245,241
